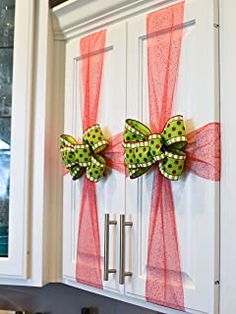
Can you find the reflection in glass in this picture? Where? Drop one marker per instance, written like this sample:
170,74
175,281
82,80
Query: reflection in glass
7,10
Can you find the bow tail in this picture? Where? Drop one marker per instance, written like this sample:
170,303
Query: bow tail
88,267
164,278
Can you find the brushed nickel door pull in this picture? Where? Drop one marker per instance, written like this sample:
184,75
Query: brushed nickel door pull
123,273
107,271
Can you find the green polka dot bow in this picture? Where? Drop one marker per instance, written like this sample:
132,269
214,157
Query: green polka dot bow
80,158
143,149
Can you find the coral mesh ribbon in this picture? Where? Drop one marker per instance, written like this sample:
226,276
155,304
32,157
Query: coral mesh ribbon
88,264
164,284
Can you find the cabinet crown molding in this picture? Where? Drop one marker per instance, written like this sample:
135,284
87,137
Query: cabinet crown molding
78,17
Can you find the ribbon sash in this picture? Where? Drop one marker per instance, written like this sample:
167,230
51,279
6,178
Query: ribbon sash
88,263
203,152
164,284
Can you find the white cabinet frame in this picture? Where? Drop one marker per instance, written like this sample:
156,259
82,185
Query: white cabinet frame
227,28
36,180
15,265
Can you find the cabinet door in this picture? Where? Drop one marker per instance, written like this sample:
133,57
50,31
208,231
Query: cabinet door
196,200
15,100
112,112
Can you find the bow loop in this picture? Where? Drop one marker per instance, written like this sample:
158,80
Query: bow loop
80,158
174,132
143,149
135,131
95,139
96,168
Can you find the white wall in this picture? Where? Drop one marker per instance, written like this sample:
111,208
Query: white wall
228,119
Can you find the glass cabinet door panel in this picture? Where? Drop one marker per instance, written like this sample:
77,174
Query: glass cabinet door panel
7,9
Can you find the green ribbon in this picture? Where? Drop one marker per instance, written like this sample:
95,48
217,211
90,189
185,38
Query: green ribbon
143,149
80,158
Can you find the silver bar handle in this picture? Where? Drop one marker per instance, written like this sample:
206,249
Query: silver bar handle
123,273
107,271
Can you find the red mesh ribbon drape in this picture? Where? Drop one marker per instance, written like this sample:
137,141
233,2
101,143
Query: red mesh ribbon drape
164,278
88,266
164,283
203,152
114,153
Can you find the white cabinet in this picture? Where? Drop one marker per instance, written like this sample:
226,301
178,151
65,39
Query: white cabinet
124,93
196,199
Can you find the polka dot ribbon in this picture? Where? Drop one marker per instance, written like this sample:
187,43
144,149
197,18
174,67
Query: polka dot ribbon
143,149
84,158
